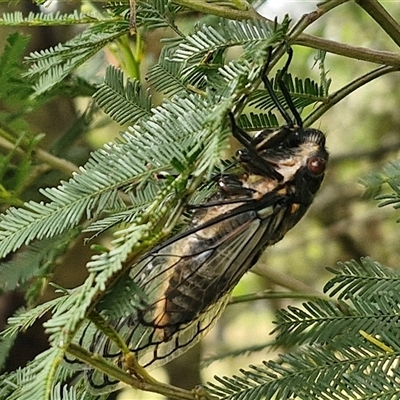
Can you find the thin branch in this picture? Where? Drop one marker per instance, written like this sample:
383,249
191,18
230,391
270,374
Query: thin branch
354,52
382,17
58,163
131,63
34,173
330,46
219,11
271,294
284,280
113,371
346,90
311,17
241,4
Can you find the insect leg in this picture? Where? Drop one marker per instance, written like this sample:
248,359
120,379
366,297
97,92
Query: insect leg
249,155
238,133
231,185
285,92
271,92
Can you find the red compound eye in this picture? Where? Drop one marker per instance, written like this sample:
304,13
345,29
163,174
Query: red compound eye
316,165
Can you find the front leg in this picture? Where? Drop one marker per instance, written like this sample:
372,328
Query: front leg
230,186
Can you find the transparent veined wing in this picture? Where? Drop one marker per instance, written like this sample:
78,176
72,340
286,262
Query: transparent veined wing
188,282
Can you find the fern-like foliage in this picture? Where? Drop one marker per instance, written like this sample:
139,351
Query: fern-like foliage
165,76
347,349
37,261
364,286
157,14
69,393
47,19
53,65
119,187
376,182
6,344
256,122
316,372
366,280
208,39
49,67
124,103
10,67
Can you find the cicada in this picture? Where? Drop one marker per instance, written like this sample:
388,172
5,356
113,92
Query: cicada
188,279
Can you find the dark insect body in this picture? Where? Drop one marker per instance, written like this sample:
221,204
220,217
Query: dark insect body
188,279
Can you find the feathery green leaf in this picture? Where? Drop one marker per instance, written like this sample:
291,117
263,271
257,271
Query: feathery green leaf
124,102
49,19
208,39
367,279
54,64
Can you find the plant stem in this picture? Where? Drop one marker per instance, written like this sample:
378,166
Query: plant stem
132,66
328,5
214,9
311,17
346,90
113,371
58,163
382,17
269,294
330,46
355,52
284,280
241,4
